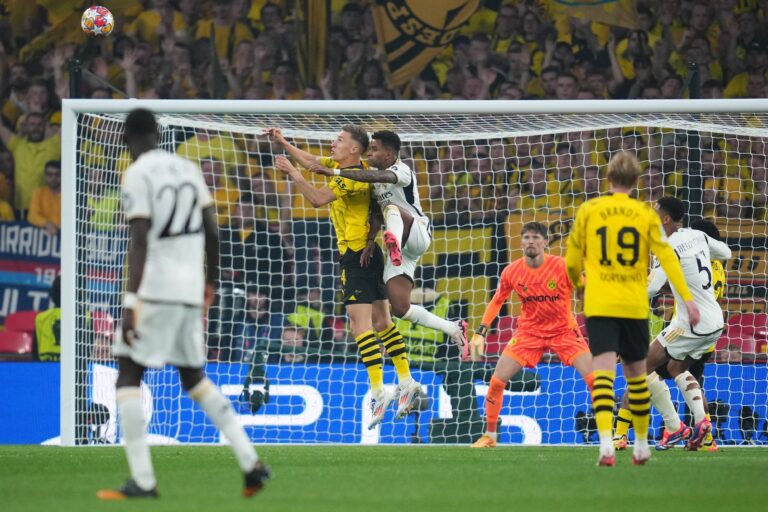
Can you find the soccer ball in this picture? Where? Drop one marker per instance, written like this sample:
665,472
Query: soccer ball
97,21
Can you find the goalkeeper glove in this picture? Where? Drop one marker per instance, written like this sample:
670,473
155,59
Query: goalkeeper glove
477,344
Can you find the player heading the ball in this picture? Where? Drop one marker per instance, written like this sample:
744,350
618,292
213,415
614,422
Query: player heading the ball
361,261
408,231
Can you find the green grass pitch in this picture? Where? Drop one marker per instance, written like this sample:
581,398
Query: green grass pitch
368,479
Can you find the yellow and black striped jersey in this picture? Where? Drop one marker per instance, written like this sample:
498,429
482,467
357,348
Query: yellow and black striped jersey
349,212
611,239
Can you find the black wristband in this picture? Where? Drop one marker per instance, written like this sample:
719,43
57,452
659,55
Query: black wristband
482,330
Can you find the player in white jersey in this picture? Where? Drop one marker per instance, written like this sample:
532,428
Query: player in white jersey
680,344
173,260
408,231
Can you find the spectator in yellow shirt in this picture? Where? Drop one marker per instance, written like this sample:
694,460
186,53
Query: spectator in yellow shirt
210,145
161,20
45,209
225,197
224,29
534,187
6,212
750,83
30,153
18,83
562,183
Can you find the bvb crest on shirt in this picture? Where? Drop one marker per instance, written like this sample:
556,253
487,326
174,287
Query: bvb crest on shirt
551,284
513,341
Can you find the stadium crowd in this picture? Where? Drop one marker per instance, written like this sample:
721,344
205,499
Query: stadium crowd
509,50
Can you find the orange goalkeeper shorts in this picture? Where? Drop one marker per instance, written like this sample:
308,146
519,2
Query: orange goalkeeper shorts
527,349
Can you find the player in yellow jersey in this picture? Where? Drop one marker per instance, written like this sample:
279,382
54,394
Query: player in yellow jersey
611,239
675,430
361,261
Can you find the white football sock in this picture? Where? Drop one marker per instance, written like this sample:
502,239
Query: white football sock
692,396
394,222
220,410
417,315
134,436
662,401
606,442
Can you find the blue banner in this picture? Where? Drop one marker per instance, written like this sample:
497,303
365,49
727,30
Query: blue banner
327,403
29,262
30,259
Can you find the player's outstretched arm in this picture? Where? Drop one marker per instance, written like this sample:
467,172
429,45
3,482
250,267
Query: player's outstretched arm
304,158
477,343
361,175
212,251
375,220
317,197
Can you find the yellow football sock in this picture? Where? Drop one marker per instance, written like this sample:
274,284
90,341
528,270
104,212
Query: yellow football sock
602,402
623,422
370,354
639,405
395,347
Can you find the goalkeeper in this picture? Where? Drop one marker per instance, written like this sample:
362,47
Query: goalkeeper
362,263
541,283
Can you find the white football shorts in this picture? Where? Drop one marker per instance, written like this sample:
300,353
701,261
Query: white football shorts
418,242
165,334
681,343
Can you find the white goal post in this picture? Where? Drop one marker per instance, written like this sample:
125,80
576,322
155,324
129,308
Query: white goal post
478,164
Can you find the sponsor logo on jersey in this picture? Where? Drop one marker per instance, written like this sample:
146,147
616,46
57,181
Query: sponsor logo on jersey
540,298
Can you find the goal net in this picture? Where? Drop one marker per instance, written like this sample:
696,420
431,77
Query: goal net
277,338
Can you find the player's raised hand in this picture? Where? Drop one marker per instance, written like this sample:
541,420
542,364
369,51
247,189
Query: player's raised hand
477,347
284,165
319,169
275,135
693,312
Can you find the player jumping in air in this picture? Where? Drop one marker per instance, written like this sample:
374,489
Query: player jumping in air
408,232
541,283
174,265
681,345
362,263
610,239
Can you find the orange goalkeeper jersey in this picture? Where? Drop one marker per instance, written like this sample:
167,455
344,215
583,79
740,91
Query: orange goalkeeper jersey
545,295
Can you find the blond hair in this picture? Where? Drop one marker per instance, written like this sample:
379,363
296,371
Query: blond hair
623,169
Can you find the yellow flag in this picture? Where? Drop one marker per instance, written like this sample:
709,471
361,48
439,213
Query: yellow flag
622,13
313,37
413,32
